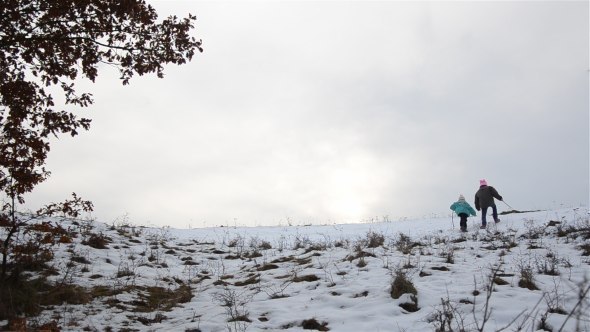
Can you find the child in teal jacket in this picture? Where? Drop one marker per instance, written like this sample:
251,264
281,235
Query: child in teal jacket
463,210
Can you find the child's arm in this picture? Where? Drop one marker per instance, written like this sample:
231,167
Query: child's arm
453,206
472,211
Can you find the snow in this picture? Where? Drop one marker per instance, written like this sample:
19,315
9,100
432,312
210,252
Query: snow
271,290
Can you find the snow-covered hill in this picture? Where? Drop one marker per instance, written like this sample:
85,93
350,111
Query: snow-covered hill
330,277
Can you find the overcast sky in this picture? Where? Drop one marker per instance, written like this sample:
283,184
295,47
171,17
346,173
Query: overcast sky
340,111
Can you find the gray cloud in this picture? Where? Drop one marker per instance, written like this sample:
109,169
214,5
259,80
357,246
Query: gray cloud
341,111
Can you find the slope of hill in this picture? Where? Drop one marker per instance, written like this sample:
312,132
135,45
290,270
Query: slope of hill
529,272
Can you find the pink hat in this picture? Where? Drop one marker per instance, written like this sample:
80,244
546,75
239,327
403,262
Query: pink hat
483,182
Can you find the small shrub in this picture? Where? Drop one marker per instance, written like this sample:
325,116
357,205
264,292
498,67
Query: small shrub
440,268
558,310
160,298
543,325
317,246
359,254
51,326
313,324
375,240
404,244
158,318
424,274
449,255
60,294
527,278
408,264
307,278
585,248
362,294
267,267
401,285
549,266
411,305
233,257
265,245
242,318
250,281
253,254
361,263
125,272
100,291
80,259
238,241
533,232
499,281
18,324
444,316
340,243
97,241
234,304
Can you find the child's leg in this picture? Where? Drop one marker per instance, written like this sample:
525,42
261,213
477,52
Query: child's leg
463,222
484,211
495,213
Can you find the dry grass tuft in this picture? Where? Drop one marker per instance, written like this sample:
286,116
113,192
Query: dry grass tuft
164,299
313,324
402,285
306,278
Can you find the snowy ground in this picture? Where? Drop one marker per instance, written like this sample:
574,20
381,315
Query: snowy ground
332,277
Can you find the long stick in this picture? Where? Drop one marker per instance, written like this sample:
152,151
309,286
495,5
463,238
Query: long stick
452,219
508,205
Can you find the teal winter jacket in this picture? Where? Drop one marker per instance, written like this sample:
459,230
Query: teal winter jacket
463,207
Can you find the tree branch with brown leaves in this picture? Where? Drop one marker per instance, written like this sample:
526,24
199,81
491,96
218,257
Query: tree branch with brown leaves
53,43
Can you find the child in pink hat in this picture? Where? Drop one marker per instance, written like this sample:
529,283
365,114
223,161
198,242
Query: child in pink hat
484,199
